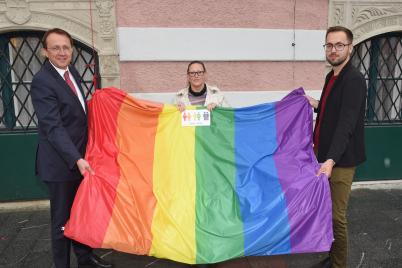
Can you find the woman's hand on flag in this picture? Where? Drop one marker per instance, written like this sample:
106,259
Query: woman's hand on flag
211,106
181,107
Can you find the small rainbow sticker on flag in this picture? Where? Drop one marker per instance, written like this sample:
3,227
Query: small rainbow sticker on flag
199,117
244,186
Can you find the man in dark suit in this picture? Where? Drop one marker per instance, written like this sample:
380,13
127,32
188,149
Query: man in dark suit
61,109
339,132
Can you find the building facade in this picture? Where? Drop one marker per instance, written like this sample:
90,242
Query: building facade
255,51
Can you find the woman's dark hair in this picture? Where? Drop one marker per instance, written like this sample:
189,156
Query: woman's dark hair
57,31
194,62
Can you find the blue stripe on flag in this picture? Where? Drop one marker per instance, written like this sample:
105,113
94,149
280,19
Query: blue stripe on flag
257,183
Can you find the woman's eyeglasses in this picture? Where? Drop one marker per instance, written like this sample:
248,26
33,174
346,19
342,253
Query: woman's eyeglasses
193,74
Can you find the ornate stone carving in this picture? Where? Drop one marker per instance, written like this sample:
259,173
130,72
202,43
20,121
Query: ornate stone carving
377,26
18,11
105,18
109,70
338,16
106,27
366,18
371,13
109,65
104,7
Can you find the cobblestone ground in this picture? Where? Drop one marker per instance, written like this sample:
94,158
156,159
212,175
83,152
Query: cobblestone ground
375,231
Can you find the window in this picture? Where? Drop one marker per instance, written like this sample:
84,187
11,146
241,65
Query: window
20,59
380,60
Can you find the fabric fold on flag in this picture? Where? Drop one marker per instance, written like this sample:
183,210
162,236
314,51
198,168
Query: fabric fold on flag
244,186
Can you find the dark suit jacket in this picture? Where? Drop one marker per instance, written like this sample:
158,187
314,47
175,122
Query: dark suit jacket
63,131
342,127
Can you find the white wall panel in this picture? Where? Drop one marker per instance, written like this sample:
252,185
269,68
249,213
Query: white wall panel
219,44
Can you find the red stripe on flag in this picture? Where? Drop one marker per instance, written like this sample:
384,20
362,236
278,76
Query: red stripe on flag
95,197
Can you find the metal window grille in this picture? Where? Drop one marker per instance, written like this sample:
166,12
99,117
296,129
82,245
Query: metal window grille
20,59
380,61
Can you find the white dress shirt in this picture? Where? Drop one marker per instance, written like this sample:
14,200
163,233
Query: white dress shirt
79,95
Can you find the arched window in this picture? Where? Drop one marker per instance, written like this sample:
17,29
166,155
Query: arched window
20,59
380,60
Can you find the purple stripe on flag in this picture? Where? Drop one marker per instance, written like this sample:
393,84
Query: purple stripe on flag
308,200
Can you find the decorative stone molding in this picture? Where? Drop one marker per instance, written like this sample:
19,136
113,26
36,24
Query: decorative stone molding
109,68
366,18
104,7
365,14
18,11
338,14
107,24
73,16
107,28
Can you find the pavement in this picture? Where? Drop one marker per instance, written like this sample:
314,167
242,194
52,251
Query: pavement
375,234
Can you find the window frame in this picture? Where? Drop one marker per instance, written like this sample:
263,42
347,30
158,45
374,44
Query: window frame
12,108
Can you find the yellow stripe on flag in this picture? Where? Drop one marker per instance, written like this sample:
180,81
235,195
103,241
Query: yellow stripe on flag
173,225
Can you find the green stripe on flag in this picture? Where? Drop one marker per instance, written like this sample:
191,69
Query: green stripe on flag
219,228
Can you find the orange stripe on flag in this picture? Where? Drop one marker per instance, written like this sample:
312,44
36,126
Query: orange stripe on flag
130,226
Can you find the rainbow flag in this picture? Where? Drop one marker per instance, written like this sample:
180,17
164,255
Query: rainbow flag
245,185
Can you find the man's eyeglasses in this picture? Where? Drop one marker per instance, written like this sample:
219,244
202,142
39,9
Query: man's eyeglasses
193,74
337,46
60,49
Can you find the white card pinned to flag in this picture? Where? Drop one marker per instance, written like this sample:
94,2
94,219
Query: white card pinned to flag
191,118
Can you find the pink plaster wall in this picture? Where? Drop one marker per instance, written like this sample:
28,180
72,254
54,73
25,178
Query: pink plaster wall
271,14
230,76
